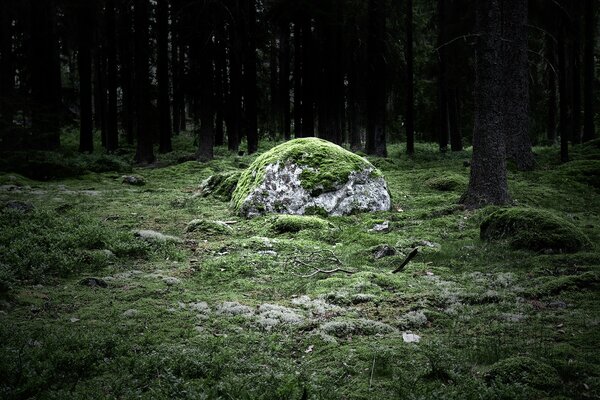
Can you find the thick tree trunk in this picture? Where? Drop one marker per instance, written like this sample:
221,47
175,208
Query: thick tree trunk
516,84
145,150
162,72
376,93
308,79
488,182
84,63
284,79
589,131
100,92
112,128
576,73
7,68
564,100
220,85
442,90
297,78
235,95
250,89
551,117
45,76
127,78
410,97
454,121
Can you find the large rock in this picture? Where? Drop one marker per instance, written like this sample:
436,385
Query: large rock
310,175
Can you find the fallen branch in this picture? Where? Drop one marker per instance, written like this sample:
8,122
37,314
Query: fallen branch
409,257
333,271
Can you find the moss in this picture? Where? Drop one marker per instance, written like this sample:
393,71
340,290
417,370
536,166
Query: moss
447,183
297,223
533,229
586,172
220,185
523,370
567,282
328,166
208,227
366,327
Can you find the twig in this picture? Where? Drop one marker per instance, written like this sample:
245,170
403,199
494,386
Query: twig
409,257
333,271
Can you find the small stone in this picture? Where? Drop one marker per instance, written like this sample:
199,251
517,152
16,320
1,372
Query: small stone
171,281
410,337
131,313
557,304
383,250
93,282
21,206
133,180
383,227
153,236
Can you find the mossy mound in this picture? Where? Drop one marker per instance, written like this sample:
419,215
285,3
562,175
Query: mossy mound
447,183
297,223
308,174
209,227
532,229
583,171
220,185
525,371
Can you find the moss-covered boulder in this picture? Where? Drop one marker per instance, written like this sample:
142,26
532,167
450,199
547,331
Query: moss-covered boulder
220,185
525,371
307,175
447,183
533,229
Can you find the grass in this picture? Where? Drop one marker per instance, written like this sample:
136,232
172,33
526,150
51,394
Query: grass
226,312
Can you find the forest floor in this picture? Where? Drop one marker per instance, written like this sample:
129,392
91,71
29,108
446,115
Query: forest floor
231,312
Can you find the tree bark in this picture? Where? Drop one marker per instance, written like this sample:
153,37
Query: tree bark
550,51
112,128
250,89
589,130
45,76
84,63
564,99
7,69
284,78
126,49
410,97
376,93
145,151
576,72
297,78
308,78
162,71
516,84
442,101
488,182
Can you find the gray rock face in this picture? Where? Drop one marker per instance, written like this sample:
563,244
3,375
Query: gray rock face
281,192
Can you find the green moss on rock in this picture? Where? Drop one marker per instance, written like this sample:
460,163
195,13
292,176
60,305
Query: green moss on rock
525,371
209,227
328,166
297,223
220,185
586,172
532,229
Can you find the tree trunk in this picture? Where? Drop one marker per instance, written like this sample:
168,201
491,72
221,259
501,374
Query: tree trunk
112,128
410,125
442,102
126,49
7,69
297,78
589,131
84,63
145,150
376,93
250,89
454,121
284,78
576,73
100,91
235,96
162,72
516,84
220,85
564,99
550,50
488,182
308,78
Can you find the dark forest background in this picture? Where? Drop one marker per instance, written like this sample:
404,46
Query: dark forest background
239,71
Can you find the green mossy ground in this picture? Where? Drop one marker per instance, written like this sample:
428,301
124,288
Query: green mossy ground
230,315
329,165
